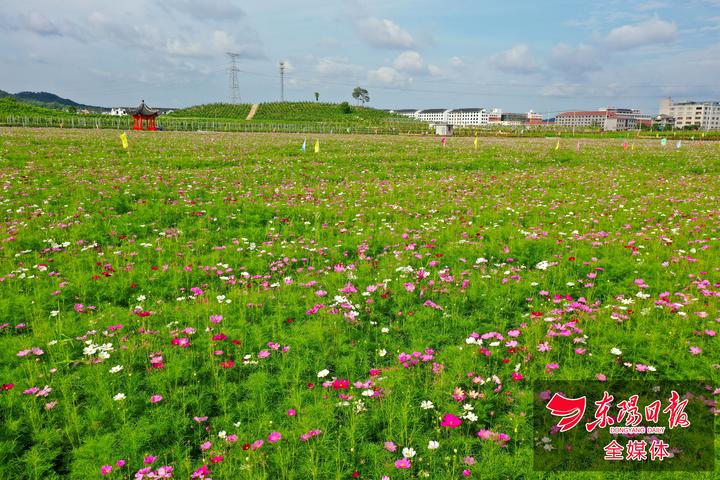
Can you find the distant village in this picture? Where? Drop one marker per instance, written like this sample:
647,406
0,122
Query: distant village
672,115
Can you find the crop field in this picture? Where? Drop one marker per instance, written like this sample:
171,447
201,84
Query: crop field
225,306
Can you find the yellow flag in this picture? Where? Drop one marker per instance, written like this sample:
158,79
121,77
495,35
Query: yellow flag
317,146
632,147
557,145
475,142
123,139
703,134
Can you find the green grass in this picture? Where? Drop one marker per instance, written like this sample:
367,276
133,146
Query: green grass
184,226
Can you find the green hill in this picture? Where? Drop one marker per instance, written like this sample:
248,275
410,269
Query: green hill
9,105
214,110
293,112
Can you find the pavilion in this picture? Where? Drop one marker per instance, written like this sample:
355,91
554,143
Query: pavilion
143,117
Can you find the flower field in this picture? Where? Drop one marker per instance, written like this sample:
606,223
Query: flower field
225,306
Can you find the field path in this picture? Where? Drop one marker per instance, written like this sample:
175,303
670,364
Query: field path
253,109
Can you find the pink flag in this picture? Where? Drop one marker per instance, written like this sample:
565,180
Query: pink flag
444,140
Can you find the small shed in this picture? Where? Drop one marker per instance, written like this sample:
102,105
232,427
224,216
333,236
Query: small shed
444,129
143,117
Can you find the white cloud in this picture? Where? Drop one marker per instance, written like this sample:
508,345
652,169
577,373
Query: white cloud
336,66
456,62
213,10
518,59
383,33
575,61
410,62
386,76
649,32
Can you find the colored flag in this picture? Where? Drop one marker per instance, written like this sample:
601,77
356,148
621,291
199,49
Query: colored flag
577,147
679,144
657,135
663,142
475,142
317,146
443,141
304,145
632,147
625,145
557,145
702,134
123,139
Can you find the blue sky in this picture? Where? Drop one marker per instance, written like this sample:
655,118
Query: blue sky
517,55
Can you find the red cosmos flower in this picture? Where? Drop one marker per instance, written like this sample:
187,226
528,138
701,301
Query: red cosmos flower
341,384
219,337
217,459
8,386
228,364
237,342
246,446
355,475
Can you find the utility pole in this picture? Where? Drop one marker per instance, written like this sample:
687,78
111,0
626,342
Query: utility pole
282,81
233,71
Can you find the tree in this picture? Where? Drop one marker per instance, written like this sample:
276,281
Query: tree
361,95
317,96
345,108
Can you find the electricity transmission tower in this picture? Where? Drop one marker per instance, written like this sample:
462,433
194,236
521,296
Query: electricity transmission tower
233,71
282,81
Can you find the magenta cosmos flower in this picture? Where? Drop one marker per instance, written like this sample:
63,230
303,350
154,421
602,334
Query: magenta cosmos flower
450,421
402,463
274,437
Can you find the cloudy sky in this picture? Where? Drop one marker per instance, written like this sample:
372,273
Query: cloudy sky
517,55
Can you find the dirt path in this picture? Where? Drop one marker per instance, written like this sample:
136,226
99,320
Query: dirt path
253,109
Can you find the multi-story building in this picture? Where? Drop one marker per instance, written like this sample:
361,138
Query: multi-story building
605,119
703,115
467,116
433,115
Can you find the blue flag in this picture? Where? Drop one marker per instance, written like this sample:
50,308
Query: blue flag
303,145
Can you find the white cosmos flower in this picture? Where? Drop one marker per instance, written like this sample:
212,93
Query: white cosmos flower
427,405
408,452
116,369
323,373
616,351
119,396
433,445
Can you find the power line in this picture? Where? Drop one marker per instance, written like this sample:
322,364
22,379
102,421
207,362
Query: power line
233,70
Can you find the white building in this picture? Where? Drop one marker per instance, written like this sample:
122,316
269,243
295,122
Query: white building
117,112
461,117
605,119
433,115
406,112
704,115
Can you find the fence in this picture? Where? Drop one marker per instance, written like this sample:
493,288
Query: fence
172,124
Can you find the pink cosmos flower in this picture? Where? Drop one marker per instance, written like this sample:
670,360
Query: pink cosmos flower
274,437
695,350
216,318
292,412
450,421
205,446
105,469
390,446
403,463
156,398
257,444
149,459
